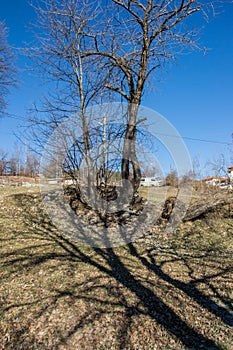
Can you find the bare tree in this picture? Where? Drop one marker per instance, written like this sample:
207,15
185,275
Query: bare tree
96,50
137,40
77,81
218,166
3,162
17,154
12,166
7,68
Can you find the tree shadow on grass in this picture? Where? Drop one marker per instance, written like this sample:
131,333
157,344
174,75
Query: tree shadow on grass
190,288
113,284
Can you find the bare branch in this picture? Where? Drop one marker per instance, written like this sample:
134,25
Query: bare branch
119,91
7,68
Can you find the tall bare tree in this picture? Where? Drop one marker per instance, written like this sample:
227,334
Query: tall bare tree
7,68
115,46
138,39
77,82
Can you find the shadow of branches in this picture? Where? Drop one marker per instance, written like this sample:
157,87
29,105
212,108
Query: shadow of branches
56,294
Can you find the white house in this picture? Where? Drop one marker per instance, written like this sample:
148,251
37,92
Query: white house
230,172
211,180
151,181
222,182
216,180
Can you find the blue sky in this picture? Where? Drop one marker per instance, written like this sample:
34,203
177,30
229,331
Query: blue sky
195,95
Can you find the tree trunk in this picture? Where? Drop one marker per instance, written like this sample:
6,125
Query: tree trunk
129,155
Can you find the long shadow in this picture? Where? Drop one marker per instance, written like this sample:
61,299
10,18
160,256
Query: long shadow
112,266
156,308
189,288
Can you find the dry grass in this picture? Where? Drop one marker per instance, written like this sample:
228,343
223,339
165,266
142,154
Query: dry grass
162,292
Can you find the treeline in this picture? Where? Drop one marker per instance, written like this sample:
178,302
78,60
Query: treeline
19,163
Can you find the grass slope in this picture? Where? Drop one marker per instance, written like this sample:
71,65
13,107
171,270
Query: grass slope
162,292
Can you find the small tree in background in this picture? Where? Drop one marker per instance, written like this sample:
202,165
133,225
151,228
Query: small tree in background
172,179
3,162
218,166
12,166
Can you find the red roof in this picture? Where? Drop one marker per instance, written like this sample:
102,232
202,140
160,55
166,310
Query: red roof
210,178
221,179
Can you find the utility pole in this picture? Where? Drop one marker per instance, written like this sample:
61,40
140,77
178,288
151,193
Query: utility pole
103,151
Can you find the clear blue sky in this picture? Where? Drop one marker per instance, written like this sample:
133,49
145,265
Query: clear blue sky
196,94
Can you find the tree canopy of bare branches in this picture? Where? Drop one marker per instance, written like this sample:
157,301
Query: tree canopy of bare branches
102,51
7,69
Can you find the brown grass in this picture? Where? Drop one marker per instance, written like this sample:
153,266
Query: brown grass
162,292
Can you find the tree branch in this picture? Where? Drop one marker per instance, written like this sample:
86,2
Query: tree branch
119,91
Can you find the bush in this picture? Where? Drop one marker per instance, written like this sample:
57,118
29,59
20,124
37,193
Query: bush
172,179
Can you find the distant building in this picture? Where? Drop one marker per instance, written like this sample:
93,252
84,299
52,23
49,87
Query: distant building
230,172
222,182
211,180
151,181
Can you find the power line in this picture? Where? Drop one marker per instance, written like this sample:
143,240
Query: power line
195,139
174,136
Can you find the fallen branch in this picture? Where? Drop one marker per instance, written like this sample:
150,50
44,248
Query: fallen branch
197,211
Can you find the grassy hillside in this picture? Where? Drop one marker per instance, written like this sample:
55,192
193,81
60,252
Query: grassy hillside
165,291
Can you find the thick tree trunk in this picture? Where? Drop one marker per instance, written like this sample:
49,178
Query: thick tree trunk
129,155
